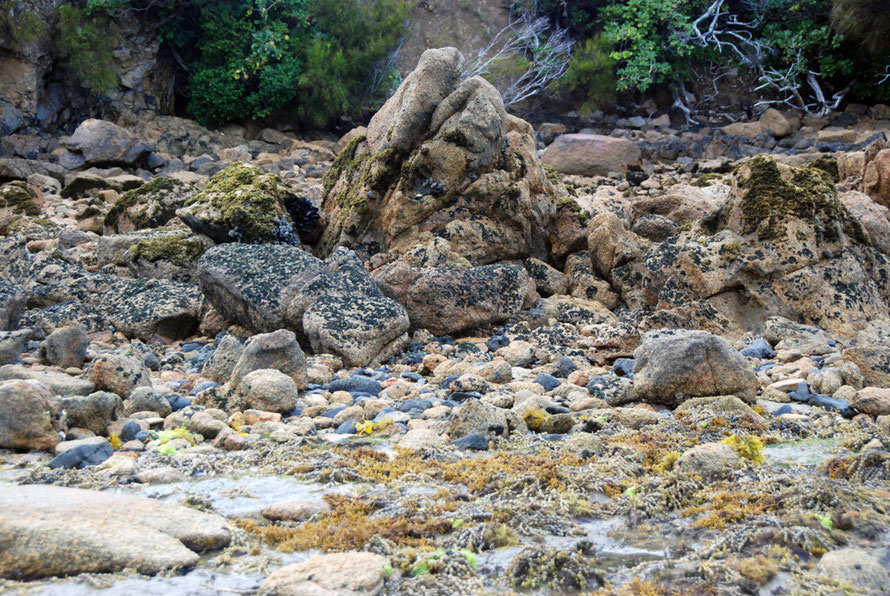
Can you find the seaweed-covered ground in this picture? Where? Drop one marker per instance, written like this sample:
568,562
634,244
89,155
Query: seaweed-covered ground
609,508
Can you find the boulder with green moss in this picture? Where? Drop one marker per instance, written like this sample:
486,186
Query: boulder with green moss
174,256
17,198
152,205
241,203
441,158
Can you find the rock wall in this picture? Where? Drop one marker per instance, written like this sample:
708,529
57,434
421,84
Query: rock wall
36,93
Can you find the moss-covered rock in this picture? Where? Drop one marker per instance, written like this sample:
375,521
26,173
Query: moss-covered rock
241,203
172,256
771,193
152,205
183,251
17,198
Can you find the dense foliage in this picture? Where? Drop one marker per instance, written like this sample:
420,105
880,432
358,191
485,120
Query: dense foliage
310,60
806,53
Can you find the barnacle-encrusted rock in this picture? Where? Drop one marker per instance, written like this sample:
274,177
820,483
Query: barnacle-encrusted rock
445,300
334,305
150,308
241,203
441,158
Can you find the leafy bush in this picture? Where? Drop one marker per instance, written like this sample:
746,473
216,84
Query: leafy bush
86,40
591,74
21,19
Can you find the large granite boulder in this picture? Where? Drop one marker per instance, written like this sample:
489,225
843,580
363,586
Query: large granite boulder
104,143
441,158
591,155
673,365
51,531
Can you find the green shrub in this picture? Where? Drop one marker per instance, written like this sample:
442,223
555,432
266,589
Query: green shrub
86,40
591,74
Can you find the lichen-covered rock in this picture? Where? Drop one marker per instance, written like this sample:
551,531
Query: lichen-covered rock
441,158
278,350
710,460
854,566
49,531
241,203
94,412
448,300
590,154
477,417
346,313
118,374
673,365
149,309
31,416
174,257
254,285
548,280
103,143
152,205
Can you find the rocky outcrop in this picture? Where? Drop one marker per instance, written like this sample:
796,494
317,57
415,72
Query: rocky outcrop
780,243
441,158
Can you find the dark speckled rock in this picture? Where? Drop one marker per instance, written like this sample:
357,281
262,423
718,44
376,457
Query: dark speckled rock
12,300
345,313
254,284
152,309
450,300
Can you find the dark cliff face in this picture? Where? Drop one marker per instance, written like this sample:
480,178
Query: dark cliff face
38,93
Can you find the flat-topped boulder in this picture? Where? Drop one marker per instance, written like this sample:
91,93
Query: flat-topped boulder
51,531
